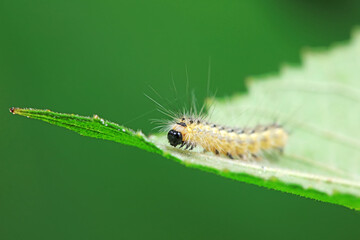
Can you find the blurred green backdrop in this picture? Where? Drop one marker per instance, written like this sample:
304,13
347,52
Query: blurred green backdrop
99,57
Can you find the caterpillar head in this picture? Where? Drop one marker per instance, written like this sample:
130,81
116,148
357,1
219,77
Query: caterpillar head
177,134
175,138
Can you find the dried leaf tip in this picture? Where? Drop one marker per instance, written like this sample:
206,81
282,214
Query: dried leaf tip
12,110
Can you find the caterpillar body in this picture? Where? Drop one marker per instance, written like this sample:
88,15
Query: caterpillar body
191,131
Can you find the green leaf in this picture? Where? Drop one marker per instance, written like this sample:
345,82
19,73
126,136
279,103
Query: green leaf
318,103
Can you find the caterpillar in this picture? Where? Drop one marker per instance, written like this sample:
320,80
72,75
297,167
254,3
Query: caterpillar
191,131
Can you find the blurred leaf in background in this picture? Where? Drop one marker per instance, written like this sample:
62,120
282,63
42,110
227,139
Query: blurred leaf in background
84,56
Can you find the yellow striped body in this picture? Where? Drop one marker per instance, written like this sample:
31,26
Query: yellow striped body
235,143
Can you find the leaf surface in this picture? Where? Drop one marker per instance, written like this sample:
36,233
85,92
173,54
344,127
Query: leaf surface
318,103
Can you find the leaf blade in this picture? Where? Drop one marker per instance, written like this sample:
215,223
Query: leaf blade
322,159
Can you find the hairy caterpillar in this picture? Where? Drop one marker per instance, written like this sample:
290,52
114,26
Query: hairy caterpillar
191,131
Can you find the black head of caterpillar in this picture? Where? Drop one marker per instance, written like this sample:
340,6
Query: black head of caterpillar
178,135
191,131
175,138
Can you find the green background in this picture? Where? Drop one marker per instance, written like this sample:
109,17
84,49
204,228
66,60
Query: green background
100,57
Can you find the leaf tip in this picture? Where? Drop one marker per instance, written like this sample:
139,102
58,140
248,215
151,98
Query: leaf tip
12,110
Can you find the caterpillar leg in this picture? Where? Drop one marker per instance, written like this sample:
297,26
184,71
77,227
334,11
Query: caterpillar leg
229,156
281,151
